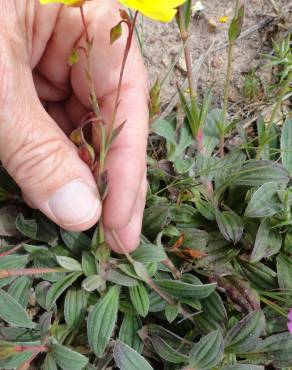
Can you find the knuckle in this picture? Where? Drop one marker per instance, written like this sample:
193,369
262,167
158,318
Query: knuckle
33,163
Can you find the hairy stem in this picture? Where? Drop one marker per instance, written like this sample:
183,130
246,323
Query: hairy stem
283,92
151,282
123,67
227,89
14,249
29,271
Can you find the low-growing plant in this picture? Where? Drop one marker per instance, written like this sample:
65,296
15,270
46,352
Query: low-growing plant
210,286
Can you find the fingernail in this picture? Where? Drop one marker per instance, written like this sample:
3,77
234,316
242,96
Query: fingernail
75,203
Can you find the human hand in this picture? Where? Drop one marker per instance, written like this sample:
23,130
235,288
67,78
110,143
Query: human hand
35,44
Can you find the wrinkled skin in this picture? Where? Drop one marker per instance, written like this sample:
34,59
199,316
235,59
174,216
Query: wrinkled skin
35,44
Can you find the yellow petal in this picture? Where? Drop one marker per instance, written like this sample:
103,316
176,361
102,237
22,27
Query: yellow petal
161,10
223,19
65,2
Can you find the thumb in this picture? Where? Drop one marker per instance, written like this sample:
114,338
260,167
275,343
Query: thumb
37,154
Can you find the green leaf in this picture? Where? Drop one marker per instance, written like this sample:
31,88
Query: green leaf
45,321
11,262
119,278
8,215
26,227
128,333
213,306
276,349
230,225
244,335
75,307
180,289
260,276
50,363
236,25
68,263
76,242
73,58
268,242
92,283
128,359
231,163
208,352
140,299
256,173
102,319
58,288
116,33
155,219
286,145
66,358
166,352
20,290
211,132
284,271
147,253
88,264
171,313
12,312
15,361
264,202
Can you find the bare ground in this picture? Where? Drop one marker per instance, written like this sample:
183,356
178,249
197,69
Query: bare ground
162,44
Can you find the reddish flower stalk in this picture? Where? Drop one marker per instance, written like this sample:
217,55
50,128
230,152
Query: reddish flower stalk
124,62
14,249
35,349
29,271
38,349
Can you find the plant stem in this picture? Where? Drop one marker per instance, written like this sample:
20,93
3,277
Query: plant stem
38,349
282,93
30,271
226,96
150,282
187,53
124,61
190,75
169,264
226,90
274,306
14,249
84,24
35,349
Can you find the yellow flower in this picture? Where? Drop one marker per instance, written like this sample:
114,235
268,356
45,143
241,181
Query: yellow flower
65,2
223,19
161,10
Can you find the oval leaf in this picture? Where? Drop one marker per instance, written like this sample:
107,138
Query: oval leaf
268,242
265,201
140,299
102,319
68,263
180,289
68,359
208,352
128,333
75,307
230,225
128,359
12,312
286,145
243,336
57,289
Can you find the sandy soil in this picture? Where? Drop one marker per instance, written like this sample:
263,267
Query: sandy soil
162,44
